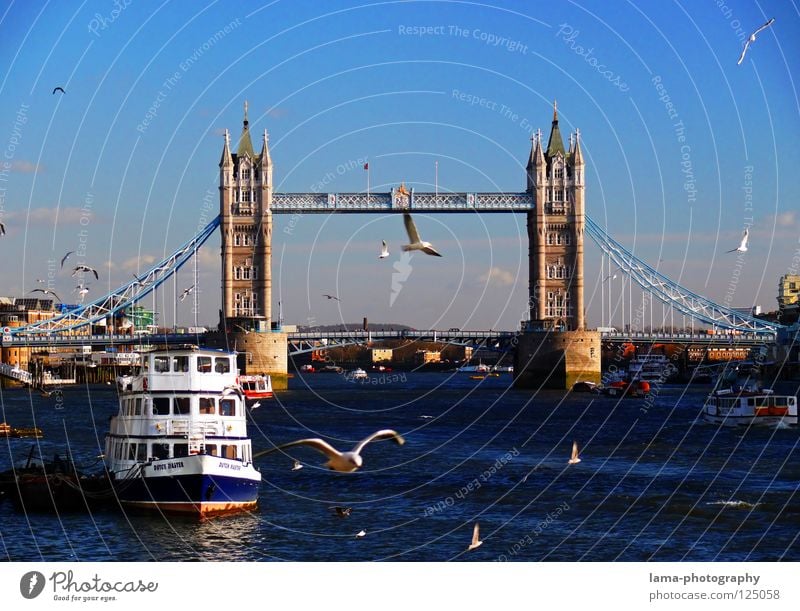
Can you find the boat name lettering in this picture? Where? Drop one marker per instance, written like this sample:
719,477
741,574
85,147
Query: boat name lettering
226,465
170,465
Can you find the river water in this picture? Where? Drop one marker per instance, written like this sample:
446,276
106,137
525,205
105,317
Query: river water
654,483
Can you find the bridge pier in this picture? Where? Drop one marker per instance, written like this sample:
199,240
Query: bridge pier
556,359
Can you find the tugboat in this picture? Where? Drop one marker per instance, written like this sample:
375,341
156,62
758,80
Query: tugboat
179,442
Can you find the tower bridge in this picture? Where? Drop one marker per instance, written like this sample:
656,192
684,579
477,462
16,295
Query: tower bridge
553,344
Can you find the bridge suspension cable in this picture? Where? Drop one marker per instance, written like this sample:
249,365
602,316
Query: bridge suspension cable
673,294
126,295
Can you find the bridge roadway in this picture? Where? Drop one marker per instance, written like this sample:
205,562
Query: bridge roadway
312,340
399,201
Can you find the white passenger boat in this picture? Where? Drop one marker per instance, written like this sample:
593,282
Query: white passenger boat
179,442
649,368
358,374
750,406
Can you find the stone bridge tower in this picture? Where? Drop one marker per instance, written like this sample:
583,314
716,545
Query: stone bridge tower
555,348
245,199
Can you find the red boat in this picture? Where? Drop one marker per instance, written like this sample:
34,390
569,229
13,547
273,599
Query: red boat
256,387
637,388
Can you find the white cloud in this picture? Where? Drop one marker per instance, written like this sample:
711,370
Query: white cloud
498,277
65,215
25,167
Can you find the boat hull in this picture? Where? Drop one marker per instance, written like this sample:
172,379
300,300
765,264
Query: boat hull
732,420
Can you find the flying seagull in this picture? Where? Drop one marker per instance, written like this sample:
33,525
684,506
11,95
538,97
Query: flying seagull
476,538
415,243
82,269
342,512
61,89
332,297
345,462
2,229
46,292
384,250
40,280
241,328
186,292
743,244
574,460
296,466
65,257
256,405
752,39
361,533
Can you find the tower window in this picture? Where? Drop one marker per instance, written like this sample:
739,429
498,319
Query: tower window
558,172
246,195
237,239
245,174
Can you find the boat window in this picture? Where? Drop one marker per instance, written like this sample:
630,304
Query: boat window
751,402
132,451
229,451
227,407
207,405
161,364
180,364
181,405
222,364
118,451
137,410
160,451
180,450
211,449
141,452
161,406
204,364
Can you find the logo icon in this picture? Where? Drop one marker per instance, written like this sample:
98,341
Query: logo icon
31,584
402,271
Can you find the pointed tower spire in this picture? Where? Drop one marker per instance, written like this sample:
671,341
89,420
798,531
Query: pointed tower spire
245,144
577,154
555,144
266,159
539,152
226,159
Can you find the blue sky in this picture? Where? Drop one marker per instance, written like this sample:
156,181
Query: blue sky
339,82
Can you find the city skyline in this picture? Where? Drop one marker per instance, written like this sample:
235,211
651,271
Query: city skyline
683,150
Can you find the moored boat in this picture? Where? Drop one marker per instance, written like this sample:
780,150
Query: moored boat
179,443
750,407
256,386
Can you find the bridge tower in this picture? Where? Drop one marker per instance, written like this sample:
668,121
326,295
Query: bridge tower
245,199
555,348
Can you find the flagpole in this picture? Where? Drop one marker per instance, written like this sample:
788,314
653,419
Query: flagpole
366,167
436,180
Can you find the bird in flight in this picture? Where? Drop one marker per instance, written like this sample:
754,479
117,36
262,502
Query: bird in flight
46,292
41,281
2,229
256,405
61,89
332,297
384,250
65,257
186,292
574,460
241,328
344,462
342,512
415,243
296,466
743,244
476,538
80,269
361,533
752,39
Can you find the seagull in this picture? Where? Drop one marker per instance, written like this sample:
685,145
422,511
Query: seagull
296,466
476,538
413,237
256,405
743,244
46,292
425,416
241,328
186,292
2,229
139,281
82,290
752,39
361,533
61,89
40,281
342,512
332,297
66,256
84,269
384,250
574,460
344,462
233,388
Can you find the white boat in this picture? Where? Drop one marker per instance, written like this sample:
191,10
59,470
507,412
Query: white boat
479,368
750,406
179,443
649,368
358,374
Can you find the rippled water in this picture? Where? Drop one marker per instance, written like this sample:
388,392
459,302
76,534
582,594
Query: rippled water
654,483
